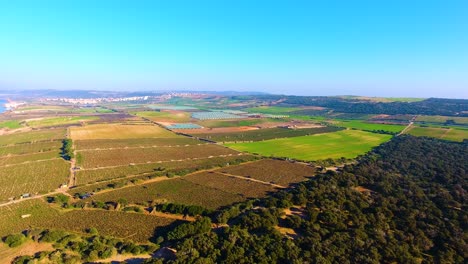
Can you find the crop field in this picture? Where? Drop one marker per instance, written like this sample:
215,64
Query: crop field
58,121
272,109
32,136
356,124
174,190
137,227
32,177
167,116
440,133
236,123
276,171
347,143
265,134
12,124
119,157
229,184
172,107
137,142
30,148
118,131
442,119
89,176
16,159
214,115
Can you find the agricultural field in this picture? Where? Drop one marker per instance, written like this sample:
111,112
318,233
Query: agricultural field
59,121
11,124
265,134
32,136
136,227
237,123
276,171
440,133
229,184
177,167
119,157
214,115
26,148
164,116
334,145
25,158
135,142
442,119
361,125
119,131
175,190
32,177
271,109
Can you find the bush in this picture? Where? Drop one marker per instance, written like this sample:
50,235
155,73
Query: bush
15,240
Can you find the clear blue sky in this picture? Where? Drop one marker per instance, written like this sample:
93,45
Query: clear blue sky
415,48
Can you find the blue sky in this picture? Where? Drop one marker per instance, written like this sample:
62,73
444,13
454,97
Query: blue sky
376,48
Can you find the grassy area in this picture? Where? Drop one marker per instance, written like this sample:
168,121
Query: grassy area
56,121
440,133
174,190
32,177
348,144
119,131
32,136
265,134
11,124
236,123
164,116
361,125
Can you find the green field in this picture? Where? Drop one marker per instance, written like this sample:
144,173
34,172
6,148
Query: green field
356,124
348,144
439,132
29,148
12,124
442,119
236,123
265,134
271,109
57,121
33,136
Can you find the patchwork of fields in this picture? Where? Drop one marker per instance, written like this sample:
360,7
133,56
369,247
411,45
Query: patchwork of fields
347,144
119,131
452,134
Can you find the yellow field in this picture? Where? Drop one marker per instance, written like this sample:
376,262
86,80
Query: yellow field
119,131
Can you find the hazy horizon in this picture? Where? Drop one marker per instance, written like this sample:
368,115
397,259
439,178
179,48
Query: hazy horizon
365,48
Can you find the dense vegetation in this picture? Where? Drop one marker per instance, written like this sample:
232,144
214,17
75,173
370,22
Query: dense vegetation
405,203
67,149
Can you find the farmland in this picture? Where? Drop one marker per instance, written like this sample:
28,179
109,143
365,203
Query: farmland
347,144
265,134
33,177
59,121
32,136
361,125
236,123
119,157
442,119
119,131
137,227
177,167
164,116
9,160
279,172
30,148
174,190
12,124
230,184
137,142
440,133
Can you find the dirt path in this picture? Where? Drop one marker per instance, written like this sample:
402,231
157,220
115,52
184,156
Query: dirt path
406,128
250,179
